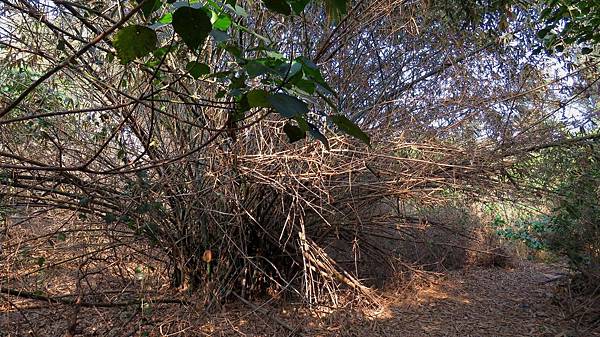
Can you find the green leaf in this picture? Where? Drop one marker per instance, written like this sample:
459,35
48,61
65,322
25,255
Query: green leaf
305,85
150,6
61,236
258,98
256,68
61,45
234,50
287,105
302,123
278,6
240,11
238,82
313,73
41,260
315,133
158,56
192,25
275,55
135,41
166,19
219,36
546,12
298,5
110,57
290,69
197,69
241,107
221,22
293,132
110,218
139,273
586,50
347,126
161,52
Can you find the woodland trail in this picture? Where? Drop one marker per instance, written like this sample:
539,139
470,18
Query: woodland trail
477,302
467,303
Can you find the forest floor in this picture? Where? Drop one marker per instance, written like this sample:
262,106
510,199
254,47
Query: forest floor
516,301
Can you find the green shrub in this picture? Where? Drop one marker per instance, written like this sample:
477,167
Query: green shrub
576,216
529,231
572,226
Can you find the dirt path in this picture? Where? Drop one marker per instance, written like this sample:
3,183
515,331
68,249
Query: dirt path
477,302
480,302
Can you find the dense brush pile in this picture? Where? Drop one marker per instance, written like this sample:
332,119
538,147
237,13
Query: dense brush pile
256,215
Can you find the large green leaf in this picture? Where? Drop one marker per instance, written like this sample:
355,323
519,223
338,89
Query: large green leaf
305,85
293,132
288,106
197,69
192,25
278,6
347,126
258,98
288,70
134,41
256,68
313,73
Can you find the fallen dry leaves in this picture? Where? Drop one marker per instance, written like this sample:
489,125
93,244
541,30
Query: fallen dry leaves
475,302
